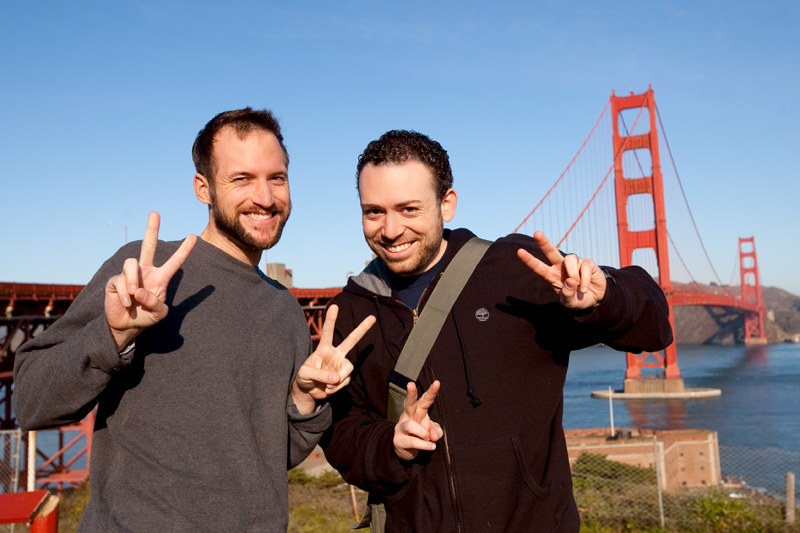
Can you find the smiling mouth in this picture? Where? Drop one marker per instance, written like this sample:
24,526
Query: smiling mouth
398,247
259,216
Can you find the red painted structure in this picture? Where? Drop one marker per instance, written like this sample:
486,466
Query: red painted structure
38,508
656,240
29,309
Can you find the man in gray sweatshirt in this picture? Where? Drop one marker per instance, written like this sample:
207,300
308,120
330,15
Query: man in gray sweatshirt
197,362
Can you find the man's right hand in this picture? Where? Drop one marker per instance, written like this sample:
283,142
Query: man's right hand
415,430
135,298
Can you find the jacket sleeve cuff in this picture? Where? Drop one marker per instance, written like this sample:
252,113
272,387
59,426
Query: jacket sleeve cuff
315,422
99,347
613,310
385,466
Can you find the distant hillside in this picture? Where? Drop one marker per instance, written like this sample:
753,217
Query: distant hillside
716,325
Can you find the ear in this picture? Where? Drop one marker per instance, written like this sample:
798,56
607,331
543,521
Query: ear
448,205
202,189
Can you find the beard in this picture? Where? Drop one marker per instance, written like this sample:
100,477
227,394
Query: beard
229,225
429,245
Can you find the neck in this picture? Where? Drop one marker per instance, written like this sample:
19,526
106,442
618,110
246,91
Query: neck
234,249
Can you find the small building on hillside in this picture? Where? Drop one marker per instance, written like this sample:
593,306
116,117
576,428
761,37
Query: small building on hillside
685,458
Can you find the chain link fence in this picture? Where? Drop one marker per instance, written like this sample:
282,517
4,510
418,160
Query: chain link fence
740,490
10,448
10,461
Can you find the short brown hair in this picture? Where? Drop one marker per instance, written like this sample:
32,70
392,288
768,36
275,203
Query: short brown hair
243,121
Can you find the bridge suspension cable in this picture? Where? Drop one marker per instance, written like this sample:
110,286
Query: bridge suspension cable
686,201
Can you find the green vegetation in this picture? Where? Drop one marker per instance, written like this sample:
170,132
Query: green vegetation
613,497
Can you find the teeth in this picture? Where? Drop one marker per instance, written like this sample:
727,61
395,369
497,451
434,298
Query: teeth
399,248
256,216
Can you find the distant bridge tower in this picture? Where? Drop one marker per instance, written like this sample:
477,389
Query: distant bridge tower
751,292
655,238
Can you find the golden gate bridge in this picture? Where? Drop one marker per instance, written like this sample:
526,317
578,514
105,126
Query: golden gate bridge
611,203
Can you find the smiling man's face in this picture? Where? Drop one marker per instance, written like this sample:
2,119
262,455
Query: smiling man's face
249,197
403,221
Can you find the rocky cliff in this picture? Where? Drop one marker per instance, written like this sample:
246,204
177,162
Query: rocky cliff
716,325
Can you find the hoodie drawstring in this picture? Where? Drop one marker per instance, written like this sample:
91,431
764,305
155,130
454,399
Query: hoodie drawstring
473,396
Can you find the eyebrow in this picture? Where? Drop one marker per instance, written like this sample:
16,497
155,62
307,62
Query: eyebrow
283,173
400,205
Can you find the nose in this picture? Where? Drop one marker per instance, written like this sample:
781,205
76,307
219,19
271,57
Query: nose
392,227
262,195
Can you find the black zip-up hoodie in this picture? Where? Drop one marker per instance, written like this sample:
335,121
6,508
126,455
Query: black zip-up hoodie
501,357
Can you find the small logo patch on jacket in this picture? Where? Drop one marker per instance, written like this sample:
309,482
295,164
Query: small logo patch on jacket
482,314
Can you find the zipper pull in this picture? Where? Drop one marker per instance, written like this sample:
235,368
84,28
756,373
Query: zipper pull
414,313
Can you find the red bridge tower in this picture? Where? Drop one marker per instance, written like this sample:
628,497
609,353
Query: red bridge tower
655,238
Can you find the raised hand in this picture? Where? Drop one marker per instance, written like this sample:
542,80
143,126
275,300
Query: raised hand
580,282
135,298
415,430
327,369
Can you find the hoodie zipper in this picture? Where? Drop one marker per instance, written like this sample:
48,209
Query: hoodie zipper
449,464
448,460
414,314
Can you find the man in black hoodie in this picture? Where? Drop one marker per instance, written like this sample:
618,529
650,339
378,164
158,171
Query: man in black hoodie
488,452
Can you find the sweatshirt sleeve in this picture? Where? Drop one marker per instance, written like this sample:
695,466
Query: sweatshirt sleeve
305,431
60,373
359,443
634,315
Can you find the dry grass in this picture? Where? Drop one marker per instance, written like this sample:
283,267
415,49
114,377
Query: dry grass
316,504
323,503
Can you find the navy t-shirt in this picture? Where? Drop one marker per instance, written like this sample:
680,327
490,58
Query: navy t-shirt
411,288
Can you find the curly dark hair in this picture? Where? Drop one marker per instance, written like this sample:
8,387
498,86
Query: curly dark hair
399,146
243,121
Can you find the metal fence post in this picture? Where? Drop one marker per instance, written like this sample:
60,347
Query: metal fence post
31,461
611,410
17,450
658,479
790,501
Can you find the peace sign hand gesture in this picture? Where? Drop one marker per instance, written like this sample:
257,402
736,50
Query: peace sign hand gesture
134,299
415,430
327,369
580,282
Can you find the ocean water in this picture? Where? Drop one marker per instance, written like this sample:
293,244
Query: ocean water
759,406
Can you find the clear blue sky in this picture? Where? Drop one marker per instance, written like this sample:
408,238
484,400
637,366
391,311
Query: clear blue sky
100,103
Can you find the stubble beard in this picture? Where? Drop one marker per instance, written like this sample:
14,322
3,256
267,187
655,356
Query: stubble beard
230,226
417,264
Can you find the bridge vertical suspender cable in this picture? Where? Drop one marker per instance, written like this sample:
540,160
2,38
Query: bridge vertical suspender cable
621,150
691,216
565,170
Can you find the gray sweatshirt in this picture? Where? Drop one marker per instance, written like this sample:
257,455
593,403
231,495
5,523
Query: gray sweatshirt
195,426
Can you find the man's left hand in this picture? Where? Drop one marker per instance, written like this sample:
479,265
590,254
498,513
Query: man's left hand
579,282
327,369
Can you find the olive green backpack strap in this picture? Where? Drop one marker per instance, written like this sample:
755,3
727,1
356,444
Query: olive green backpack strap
430,322
419,344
